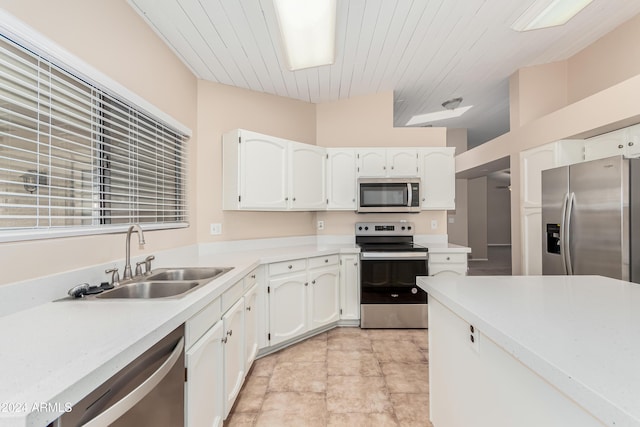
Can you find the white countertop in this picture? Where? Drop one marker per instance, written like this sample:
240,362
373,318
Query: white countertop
580,333
59,351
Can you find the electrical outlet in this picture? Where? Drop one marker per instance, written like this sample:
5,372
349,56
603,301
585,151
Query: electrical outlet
320,225
434,224
216,228
473,338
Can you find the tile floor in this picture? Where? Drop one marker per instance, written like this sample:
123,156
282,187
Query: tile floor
344,377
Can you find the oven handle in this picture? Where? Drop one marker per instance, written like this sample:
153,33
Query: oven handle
393,256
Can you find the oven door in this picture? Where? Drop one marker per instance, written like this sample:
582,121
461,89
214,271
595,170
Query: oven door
392,280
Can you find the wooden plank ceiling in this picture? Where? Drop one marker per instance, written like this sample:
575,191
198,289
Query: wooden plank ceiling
426,51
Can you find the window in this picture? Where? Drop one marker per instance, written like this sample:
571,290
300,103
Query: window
78,158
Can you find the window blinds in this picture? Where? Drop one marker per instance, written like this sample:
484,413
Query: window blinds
75,155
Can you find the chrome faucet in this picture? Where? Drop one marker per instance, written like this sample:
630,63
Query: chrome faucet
127,268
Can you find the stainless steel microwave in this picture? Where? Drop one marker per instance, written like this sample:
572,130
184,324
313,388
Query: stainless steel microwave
389,195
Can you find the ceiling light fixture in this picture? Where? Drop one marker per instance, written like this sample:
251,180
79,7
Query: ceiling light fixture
308,31
549,13
451,112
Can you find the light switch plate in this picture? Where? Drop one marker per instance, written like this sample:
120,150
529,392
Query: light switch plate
434,224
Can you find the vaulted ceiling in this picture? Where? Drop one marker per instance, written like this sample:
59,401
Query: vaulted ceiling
425,51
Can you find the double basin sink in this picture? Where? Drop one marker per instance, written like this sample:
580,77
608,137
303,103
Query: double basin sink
165,283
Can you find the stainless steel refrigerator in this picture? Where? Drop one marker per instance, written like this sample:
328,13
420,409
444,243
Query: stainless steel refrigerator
590,219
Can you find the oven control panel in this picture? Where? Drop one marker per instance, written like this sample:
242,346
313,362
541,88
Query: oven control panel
400,228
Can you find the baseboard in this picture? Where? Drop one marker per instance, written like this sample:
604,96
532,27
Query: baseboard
499,244
478,259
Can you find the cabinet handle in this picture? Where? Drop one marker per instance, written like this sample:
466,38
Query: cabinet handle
448,258
230,332
392,167
224,340
294,199
249,308
326,260
355,264
306,283
620,146
253,276
313,282
630,144
286,199
290,266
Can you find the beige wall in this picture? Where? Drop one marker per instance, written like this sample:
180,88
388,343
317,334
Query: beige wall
603,81
540,90
223,108
477,197
111,37
498,210
367,121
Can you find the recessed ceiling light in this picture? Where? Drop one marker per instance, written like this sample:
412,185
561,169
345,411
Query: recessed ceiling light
308,30
438,115
549,13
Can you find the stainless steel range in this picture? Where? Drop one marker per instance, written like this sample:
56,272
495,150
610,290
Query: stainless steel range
389,264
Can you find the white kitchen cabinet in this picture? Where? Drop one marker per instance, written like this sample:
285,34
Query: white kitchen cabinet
234,361
307,177
324,291
262,172
303,295
625,141
532,163
255,170
203,389
479,383
438,174
531,240
385,162
447,263
350,287
251,316
341,179
287,296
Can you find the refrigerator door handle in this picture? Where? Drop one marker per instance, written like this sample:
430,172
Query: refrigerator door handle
563,227
567,234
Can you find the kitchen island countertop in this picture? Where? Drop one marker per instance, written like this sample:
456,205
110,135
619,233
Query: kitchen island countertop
579,333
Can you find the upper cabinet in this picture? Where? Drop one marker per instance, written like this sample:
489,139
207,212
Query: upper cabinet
341,179
438,174
624,142
266,173
386,162
262,172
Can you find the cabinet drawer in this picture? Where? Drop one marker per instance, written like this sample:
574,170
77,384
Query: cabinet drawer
231,295
287,266
447,257
251,279
323,261
443,269
200,323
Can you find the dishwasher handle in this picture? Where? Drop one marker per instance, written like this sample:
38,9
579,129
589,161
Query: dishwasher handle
130,400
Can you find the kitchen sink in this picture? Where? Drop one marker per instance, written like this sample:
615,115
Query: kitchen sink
164,283
193,273
150,289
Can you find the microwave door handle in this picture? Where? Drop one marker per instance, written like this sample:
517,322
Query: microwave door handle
409,195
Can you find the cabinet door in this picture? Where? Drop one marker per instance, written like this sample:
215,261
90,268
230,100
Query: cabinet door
263,171
341,179
287,307
349,287
204,394
233,322
402,163
251,327
307,177
324,296
606,145
371,163
532,163
632,141
532,241
438,173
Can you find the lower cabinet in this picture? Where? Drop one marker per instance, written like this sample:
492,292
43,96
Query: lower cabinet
447,264
350,287
250,327
302,295
234,362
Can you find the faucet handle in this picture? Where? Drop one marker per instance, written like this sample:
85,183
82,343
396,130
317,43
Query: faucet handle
115,276
147,264
139,268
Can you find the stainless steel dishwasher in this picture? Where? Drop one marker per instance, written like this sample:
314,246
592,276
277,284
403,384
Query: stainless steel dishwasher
147,392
